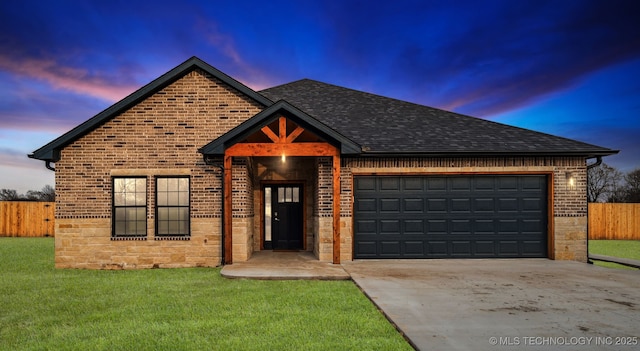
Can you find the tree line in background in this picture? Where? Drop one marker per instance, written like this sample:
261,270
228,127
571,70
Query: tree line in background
47,193
607,184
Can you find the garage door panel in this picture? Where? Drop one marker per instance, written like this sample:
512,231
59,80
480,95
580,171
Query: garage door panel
413,184
414,248
413,226
484,205
390,205
460,226
509,226
437,226
390,248
485,248
366,226
508,248
436,183
460,248
460,205
367,249
532,248
390,226
363,205
437,248
413,205
450,216
508,205
436,205
484,184
532,226
486,226
533,183
507,183
460,184
389,184
363,184
532,205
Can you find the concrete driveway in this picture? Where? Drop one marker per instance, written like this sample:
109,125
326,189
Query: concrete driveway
528,304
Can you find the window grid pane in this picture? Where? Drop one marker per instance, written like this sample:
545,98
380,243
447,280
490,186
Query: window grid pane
129,207
296,194
172,213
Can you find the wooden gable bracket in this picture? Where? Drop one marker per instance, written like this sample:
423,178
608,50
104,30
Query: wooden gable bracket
282,144
282,137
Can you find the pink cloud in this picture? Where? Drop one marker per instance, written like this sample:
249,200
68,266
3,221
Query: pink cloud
17,159
77,80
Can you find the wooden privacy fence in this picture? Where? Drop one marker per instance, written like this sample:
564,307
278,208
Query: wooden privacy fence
27,218
606,221
614,221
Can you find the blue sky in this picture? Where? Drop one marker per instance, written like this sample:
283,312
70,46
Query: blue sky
568,68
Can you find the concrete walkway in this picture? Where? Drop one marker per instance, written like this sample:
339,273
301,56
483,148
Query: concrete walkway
284,265
500,304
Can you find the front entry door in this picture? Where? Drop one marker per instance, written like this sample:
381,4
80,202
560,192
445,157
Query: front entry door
283,217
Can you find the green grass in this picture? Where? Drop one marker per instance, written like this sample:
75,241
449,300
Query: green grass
43,308
616,248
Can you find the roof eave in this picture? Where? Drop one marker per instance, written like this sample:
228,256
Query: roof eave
585,153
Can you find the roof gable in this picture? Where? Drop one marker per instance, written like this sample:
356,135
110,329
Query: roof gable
270,114
386,126
51,151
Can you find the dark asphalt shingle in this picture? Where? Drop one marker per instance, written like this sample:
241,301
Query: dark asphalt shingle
385,125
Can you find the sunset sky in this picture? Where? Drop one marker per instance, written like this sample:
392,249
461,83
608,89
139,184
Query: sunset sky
568,68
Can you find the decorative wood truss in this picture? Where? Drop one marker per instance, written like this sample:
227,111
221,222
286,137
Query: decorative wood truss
281,138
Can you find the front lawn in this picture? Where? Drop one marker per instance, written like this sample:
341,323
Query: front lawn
176,309
616,248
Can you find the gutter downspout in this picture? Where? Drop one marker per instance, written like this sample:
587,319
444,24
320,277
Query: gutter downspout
221,167
48,165
596,164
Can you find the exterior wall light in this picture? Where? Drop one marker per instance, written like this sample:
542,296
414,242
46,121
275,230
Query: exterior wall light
571,180
284,158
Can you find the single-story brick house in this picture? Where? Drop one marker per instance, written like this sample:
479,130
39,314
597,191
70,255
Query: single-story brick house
197,169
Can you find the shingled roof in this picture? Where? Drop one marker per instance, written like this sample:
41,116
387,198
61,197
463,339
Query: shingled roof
383,125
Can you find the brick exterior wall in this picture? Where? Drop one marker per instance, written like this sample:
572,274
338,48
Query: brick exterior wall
324,186
323,213
158,136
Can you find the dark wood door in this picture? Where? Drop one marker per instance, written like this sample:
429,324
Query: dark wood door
285,229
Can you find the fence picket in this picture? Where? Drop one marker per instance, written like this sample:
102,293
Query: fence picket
27,218
608,221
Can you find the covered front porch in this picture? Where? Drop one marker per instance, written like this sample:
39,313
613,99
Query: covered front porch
281,185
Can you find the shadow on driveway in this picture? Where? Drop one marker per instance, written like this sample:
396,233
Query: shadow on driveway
505,304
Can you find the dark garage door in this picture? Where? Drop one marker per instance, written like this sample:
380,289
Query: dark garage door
465,216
